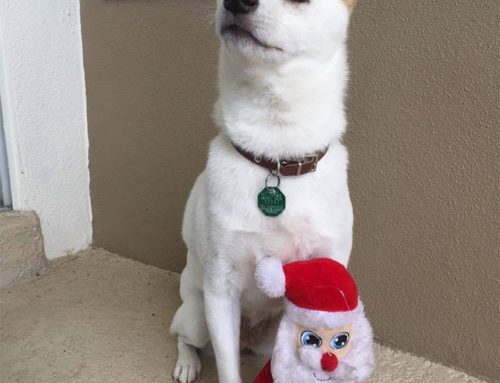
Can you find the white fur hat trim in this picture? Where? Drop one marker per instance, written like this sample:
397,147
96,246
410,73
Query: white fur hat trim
321,319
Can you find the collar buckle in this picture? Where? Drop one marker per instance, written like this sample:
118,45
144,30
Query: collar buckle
314,158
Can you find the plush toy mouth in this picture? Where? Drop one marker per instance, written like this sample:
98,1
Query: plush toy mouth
321,380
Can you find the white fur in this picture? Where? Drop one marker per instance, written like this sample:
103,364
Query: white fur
278,103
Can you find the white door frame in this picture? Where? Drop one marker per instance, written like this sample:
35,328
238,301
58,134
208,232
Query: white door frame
8,132
43,93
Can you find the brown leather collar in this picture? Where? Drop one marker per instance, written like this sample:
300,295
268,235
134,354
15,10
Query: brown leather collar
306,165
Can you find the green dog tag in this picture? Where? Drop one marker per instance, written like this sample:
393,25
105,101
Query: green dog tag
271,201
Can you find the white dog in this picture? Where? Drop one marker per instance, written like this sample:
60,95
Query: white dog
282,79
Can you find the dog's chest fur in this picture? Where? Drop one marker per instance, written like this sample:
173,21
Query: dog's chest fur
313,223
271,113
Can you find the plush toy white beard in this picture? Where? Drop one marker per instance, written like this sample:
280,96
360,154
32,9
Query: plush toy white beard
289,365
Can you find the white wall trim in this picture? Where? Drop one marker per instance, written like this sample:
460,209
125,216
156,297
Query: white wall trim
45,118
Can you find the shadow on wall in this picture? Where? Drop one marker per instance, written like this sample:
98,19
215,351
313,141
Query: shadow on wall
150,72
5,195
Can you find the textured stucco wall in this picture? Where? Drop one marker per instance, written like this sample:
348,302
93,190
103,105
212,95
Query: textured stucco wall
150,70
43,101
424,145
422,110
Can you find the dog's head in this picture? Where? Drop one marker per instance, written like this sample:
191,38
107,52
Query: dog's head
281,29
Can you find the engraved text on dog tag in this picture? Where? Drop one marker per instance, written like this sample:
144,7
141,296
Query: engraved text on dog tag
271,201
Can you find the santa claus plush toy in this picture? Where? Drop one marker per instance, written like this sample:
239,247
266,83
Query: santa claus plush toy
324,335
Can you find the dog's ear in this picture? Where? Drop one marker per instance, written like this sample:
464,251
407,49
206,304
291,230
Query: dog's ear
350,3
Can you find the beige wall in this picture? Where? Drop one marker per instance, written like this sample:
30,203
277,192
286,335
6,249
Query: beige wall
150,70
423,140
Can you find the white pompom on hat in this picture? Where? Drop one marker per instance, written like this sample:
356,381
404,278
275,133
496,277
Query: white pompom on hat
270,277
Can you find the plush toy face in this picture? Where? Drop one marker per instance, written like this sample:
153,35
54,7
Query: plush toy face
306,353
320,350
336,341
324,335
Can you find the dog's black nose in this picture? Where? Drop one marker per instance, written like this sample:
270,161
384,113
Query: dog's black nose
240,6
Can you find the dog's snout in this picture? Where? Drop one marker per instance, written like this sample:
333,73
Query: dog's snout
240,6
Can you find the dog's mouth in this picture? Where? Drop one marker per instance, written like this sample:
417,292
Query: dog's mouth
238,32
321,379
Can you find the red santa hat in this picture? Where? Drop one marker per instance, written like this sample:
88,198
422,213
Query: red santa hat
319,292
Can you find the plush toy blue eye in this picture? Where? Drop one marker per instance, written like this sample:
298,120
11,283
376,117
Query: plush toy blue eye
340,340
309,338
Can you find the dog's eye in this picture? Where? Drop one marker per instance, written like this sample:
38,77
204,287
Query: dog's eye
339,341
309,338
299,1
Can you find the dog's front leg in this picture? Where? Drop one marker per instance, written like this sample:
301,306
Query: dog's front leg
223,314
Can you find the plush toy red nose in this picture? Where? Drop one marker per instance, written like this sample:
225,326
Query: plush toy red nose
329,362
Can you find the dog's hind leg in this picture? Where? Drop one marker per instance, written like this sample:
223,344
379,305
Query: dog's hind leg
260,338
190,327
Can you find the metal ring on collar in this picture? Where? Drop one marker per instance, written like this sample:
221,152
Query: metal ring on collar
269,177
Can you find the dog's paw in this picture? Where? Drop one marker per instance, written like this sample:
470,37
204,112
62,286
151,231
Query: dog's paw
188,366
